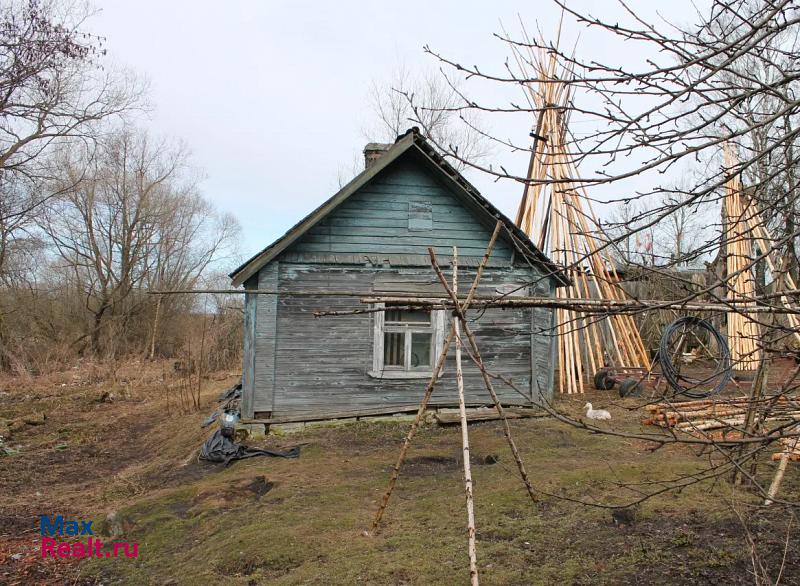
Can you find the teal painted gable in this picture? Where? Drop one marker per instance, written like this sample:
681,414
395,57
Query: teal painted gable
402,211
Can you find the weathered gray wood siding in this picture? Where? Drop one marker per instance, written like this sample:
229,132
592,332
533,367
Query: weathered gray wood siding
249,354
376,242
322,364
543,341
266,334
387,217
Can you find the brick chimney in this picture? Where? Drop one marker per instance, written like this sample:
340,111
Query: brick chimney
374,151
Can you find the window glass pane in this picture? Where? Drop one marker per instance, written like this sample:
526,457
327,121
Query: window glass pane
394,349
392,315
416,316
407,316
420,350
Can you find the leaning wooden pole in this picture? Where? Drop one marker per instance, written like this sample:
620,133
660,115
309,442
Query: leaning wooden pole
434,378
423,405
462,409
743,330
155,327
750,418
779,473
487,381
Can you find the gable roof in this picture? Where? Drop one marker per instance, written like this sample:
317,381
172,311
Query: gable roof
409,142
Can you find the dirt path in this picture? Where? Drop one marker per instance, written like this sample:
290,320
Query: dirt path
99,446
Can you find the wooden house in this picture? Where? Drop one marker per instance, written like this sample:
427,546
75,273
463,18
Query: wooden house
372,238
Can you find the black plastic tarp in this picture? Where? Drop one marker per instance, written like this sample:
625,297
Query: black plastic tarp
219,448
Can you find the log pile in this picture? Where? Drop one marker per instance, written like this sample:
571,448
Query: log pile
791,450
557,214
722,416
724,419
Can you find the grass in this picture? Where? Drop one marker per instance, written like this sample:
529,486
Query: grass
197,523
308,528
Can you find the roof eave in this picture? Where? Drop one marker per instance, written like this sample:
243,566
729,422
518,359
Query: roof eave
526,245
404,142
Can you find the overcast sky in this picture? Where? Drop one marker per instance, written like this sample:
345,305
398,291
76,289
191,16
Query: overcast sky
272,97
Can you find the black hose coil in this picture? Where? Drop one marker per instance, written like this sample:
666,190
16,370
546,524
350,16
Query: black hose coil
722,373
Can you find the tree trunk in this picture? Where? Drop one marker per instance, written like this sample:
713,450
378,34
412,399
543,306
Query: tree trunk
97,326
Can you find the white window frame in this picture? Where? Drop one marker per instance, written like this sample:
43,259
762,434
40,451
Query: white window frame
379,370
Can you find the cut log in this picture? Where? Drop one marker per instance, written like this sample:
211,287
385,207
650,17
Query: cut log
487,414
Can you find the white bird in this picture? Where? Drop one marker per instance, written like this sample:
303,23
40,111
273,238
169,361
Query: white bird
596,413
689,357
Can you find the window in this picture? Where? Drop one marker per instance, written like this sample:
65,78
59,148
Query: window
406,343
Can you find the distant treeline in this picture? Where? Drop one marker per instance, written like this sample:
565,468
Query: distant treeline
94,212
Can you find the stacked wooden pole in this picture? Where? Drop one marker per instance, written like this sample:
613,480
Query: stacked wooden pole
743,330
744,229
556,213
722,419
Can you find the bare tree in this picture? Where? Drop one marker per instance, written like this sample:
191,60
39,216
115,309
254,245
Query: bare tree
633,248
427,100
680,233
53,89
128,220
752,87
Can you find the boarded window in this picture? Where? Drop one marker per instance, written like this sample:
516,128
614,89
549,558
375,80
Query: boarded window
420,215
